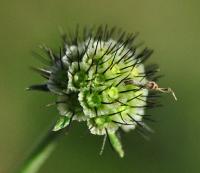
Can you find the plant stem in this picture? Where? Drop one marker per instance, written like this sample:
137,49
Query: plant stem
41,153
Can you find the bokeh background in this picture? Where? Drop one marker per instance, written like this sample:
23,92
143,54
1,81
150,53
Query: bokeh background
171,28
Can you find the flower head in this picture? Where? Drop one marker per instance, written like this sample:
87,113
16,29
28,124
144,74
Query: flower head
100,79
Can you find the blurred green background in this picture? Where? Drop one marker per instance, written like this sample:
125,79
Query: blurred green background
171,28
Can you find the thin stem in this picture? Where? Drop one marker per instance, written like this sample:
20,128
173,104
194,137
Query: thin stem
41,153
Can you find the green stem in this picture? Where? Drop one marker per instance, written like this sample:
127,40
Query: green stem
41,153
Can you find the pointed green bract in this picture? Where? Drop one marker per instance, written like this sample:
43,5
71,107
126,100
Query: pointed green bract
62,122
116,144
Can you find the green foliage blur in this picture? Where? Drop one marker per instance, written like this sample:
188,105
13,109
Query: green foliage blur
171,28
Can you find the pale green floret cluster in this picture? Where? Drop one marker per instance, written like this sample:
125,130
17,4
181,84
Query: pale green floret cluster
96,92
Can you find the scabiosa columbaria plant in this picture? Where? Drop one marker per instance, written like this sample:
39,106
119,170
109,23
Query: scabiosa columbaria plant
100,79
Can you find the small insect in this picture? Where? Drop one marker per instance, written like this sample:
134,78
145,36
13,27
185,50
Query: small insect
151,85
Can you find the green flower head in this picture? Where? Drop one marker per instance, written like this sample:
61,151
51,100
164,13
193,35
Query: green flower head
100,79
